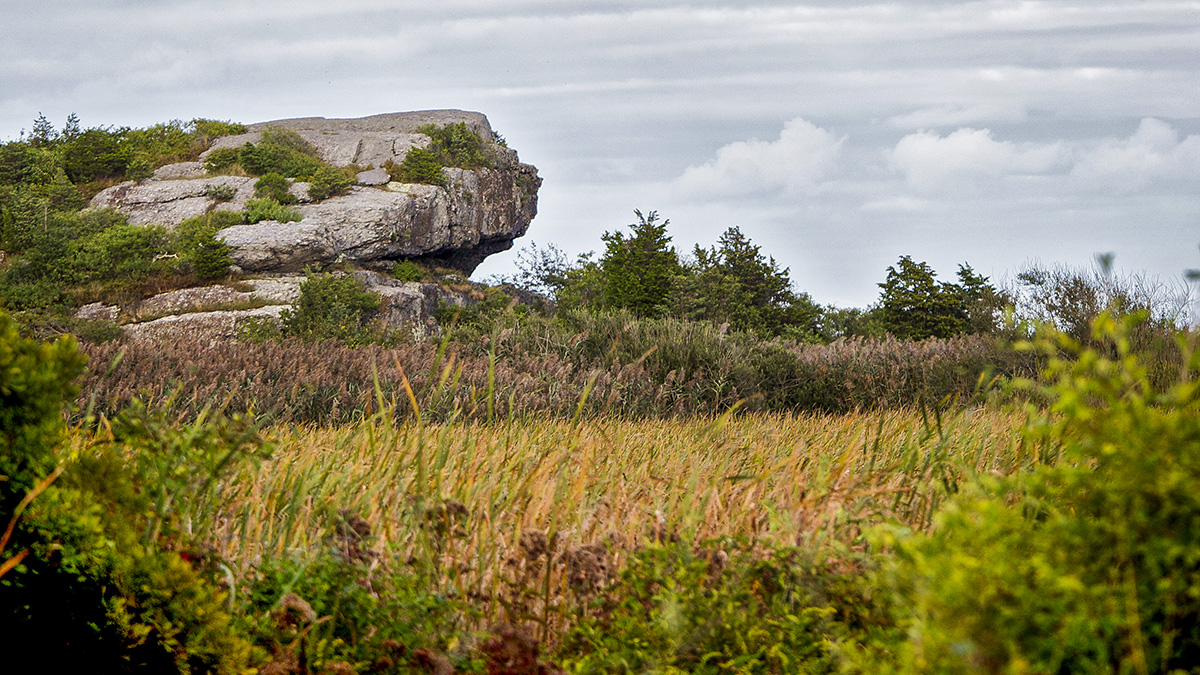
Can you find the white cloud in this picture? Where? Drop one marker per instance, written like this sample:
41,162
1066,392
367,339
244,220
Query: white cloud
797,161
929,160
1154,153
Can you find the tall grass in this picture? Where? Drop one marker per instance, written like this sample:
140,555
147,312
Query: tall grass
629,367
471,500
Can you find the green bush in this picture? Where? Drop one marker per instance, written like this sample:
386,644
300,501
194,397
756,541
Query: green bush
332,307
419,166
258,210
208,256
220,193
407,270
222,159
456,145
99,575
207,130
121,252
676,611
327,182
281,151
367,615
1087,563
276,187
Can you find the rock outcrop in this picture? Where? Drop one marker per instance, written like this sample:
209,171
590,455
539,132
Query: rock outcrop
480,212
218,312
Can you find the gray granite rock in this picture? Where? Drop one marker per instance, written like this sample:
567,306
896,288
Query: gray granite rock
170,202
373,177
192,300
202,326
180,170
97,311
479,213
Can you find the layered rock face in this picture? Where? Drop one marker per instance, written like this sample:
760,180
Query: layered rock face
480,212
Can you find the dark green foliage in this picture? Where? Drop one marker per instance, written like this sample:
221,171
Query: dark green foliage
332,307
366,615
138,169
96,153
328,182
408,270
36,382
59,249
100,581
208,130
258,210
679,612
281,151
734,283
222,159
221,193
914,305
208,256
16,163
456,145
638,270
274,186
419,166
1088,562
121,252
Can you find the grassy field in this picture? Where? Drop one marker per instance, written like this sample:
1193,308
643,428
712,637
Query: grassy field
472,498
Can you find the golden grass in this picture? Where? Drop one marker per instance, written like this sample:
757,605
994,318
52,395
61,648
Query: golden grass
780,479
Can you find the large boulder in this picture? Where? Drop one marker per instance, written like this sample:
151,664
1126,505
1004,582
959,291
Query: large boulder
480,212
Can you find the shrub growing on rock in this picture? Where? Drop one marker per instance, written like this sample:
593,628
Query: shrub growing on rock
281,151
456,145
330,306
274,186
258,210
327,182
419,166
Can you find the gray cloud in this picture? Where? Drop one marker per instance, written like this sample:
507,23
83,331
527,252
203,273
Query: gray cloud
993,131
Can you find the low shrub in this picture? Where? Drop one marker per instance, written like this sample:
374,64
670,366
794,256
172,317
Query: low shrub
258,210
419,166
456,145
222,159
328,182
220,193
207,130
332,307
678,611
408,270
276,187
281,151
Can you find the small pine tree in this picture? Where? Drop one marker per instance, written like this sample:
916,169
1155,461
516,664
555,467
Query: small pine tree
639,270
209,256
915,306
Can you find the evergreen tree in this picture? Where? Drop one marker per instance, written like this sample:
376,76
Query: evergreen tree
639,270
735,283
915,306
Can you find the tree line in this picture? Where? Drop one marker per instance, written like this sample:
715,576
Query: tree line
733,283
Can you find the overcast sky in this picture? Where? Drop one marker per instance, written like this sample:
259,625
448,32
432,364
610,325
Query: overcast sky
838,135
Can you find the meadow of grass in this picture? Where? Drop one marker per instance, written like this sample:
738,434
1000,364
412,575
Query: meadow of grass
469,497
468,518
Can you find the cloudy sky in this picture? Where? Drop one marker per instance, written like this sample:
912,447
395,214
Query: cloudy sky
838,135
